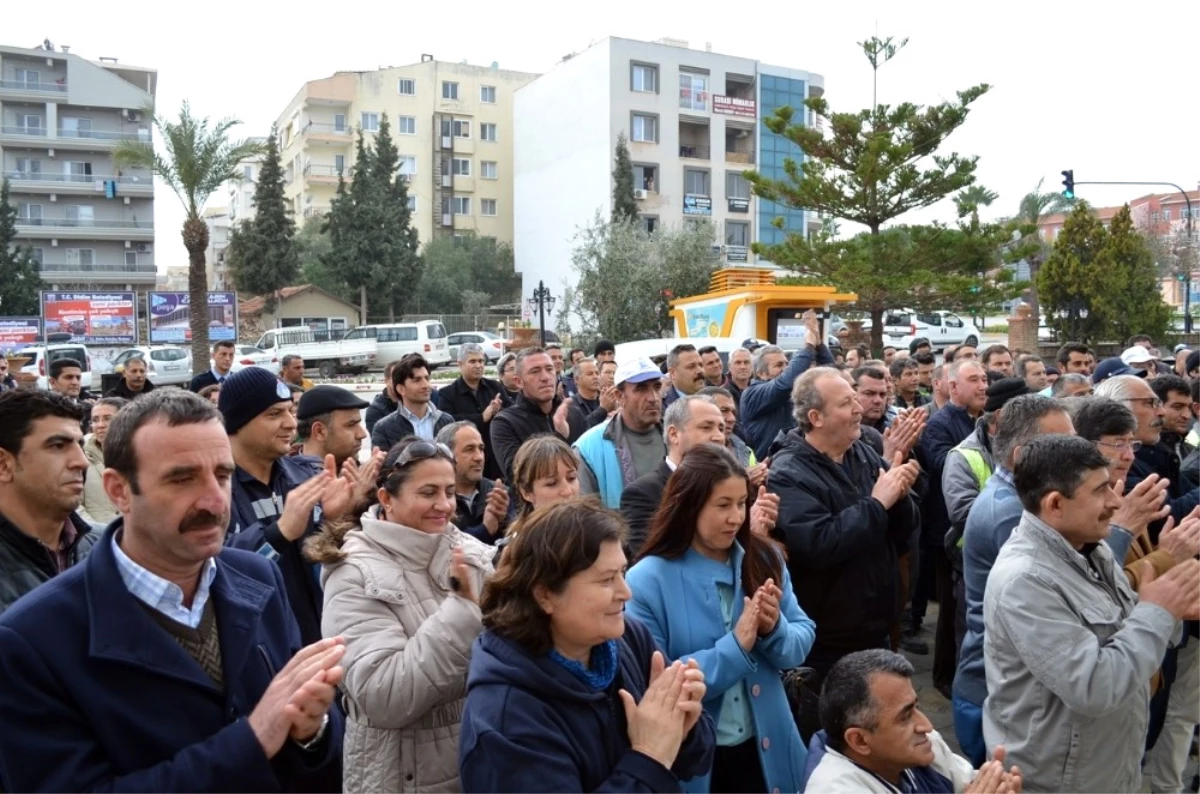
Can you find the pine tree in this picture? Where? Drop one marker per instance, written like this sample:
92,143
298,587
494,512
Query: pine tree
624,204
353,252
398,268
1132,300
262,252
1073,276
20,280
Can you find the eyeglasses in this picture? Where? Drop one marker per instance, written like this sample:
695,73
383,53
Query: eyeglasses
1153,402
1121,446
422,450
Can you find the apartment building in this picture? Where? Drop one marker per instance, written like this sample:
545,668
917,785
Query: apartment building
452,124
90,225
693,120
238,195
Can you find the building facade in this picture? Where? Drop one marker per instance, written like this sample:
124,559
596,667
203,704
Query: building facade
91,226
693,119
220,220
452,124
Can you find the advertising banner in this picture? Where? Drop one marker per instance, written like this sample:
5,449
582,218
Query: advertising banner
93,318
170,315
18,332
735,106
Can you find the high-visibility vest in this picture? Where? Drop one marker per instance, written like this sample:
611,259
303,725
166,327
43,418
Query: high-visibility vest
979,467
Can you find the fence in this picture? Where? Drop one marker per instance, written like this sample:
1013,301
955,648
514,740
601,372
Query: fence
458,323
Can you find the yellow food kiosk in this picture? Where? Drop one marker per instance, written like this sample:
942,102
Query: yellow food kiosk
745,303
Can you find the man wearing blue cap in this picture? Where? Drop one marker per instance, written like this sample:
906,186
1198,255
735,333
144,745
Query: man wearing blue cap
277,501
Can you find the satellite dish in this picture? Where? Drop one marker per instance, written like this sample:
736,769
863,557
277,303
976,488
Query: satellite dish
495,65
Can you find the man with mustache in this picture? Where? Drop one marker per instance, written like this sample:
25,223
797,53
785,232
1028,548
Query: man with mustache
277,501
166,662
42,469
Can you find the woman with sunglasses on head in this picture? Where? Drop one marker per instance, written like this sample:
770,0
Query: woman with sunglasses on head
565,693
402,587
709,589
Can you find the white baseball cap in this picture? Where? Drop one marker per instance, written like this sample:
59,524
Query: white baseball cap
1137,355
637,370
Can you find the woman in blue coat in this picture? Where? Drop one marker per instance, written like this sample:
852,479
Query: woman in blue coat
711,590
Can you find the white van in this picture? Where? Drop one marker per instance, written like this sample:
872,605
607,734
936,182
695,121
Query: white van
42,356
396,340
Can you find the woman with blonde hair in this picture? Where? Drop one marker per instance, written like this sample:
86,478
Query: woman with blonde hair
402,587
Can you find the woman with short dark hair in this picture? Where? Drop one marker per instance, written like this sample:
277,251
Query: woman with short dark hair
564,692
709,588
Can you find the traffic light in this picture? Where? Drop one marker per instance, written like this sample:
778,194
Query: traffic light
1068,184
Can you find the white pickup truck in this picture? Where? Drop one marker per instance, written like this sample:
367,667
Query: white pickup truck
328,358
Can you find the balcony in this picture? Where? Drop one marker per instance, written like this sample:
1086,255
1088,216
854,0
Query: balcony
322,174
22,135
85,229
98,140
26,89
327,133
74,271
317,212
739,154
695,151
79,184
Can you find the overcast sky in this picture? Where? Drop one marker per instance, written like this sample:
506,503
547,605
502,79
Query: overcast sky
1108,92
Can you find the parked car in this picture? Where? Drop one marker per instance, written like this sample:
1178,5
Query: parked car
551,338
42,356
166,365
943,329
393,341
251,356
351,354
493,344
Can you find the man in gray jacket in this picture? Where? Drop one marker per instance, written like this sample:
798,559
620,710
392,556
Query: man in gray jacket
1069,649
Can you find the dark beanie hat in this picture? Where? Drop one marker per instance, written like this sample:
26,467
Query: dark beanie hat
247,394
1193,361
604,346
1004,390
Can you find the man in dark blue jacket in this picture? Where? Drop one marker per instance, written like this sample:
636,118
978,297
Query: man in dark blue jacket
945,430
766,405
842,522
165,662
277,500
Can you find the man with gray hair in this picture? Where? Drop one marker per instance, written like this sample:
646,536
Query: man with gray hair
844,514
475,399
992,517
1070,384
766,404
690,421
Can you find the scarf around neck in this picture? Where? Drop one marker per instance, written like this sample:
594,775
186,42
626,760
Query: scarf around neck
602,671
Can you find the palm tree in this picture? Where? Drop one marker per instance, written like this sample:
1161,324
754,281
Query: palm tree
195,159
971,199
1035,207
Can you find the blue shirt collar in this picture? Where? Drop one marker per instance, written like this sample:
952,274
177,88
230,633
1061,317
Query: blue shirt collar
159,594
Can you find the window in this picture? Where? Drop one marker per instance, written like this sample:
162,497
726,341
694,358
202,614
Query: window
461,205
449,90
487,132
370,122
81,256
78,171
77,128
953,321
736,185
412,203
38,255
487,94
643,77
339,164
29,124
693,91
29,167
29,77
408,86
1166,214
645,177
408,165
487,207
645,128
408,125
462,129
248,173
31,214
80,215
695,182
1154,217
339,122
737,233
650,223
462,166
487,170
131,259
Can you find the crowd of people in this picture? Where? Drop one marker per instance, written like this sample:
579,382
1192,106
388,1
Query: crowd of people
593,574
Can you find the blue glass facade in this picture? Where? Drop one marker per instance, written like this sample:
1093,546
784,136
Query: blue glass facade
776,92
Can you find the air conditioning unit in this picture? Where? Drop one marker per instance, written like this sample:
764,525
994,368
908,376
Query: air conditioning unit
131,115
639,194
143,248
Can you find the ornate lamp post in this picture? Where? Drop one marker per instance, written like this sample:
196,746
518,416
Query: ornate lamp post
541,299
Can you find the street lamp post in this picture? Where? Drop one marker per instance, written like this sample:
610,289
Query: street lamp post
541,298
